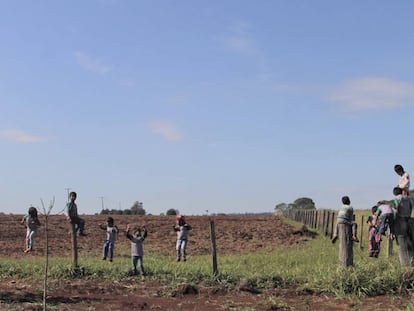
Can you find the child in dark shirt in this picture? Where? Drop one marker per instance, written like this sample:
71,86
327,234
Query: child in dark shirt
71,214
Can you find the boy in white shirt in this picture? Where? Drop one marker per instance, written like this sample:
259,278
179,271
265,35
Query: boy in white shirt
404,181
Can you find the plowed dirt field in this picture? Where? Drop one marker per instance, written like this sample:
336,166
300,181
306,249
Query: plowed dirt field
234,235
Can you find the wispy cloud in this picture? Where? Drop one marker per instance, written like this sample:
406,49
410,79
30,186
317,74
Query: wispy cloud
373,94
21,136
239,38
166,130
90,63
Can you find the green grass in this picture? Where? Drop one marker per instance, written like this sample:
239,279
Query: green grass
310,266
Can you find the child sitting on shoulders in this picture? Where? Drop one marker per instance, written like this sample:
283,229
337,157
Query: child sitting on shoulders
404,181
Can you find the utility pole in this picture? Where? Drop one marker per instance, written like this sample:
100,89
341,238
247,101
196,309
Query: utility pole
102,202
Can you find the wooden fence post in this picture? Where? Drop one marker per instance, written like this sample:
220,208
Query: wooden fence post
318,220
362,233
74,247
214,249
332,223
389,243
403,227
346,253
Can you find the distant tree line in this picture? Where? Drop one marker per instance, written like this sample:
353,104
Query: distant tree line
307,203
136,209
172,211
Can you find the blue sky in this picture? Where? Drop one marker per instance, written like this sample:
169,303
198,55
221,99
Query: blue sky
226,106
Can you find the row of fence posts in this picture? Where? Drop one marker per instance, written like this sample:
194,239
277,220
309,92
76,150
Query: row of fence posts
325,221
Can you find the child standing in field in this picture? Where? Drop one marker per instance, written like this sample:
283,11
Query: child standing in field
374,238
137,250
111,234
404,181
71,213
346,216
181,228
31,223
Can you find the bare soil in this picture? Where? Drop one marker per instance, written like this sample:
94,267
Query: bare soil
234,234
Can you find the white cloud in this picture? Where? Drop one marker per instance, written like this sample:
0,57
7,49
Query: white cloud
373,94
92,64
20,136
166,130
239,38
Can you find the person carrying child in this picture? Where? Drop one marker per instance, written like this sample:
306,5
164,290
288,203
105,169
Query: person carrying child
181,228
32,223
384,216
71,213
403,205
346,216
402,227
137,249
111,235
374,238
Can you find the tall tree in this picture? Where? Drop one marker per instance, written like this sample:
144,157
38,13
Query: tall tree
281,207
304,203
138,208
